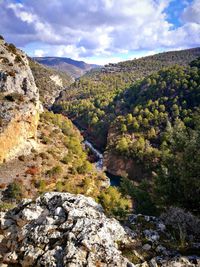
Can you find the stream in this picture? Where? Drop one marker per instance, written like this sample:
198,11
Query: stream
114,180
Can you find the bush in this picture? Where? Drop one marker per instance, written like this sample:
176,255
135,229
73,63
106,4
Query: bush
4,206
22,158
14,191
143,202
18,59
178,219
41,185
12,48
67,158
14,97
59,186
55,171
113,202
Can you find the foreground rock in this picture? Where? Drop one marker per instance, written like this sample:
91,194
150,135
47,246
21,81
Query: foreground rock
19,103
61,229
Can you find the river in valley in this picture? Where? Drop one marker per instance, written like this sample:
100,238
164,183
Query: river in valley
114,180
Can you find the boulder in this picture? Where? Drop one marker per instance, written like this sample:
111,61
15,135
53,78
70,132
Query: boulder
62,229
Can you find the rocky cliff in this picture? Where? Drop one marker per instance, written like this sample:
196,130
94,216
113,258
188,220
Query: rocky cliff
19,103
61,229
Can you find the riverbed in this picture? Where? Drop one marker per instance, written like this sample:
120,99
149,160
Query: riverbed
114,180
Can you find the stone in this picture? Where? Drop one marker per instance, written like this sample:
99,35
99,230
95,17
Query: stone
146,247
153,263
73,231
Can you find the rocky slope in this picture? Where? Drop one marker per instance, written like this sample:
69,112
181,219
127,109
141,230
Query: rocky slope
62,230
19,103
50,82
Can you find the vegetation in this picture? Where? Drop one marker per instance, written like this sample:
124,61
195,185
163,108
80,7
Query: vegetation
154,122
90,100
113,202
47,87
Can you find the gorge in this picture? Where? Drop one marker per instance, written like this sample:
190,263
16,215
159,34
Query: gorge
57,207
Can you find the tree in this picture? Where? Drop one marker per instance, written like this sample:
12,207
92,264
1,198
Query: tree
113,202
123,128
177,182
129,118
122,145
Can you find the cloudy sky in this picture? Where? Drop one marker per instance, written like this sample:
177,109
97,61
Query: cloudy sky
100,31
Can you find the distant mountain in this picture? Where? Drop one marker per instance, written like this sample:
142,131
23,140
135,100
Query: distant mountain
72,67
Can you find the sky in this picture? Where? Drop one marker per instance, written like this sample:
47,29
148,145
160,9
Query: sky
100,31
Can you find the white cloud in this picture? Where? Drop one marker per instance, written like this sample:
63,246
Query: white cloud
101,28
192,13
39,53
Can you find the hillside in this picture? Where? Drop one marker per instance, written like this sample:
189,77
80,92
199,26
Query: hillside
137,123
49,82
156,132
88,101
41,151
48,180
69,66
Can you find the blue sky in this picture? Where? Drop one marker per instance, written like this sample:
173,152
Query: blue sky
100,31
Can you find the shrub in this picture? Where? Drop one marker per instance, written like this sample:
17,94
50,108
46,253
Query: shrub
86,167
55,171
22,158
45,140
14,97
41,185
113,202
178,219
32,171
43,155
4,206
12,48
67,159
14,191
18,59
59,186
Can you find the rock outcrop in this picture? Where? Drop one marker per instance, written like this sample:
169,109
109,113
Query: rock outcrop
61,229
19,103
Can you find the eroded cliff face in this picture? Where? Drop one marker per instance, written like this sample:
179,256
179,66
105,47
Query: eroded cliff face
120,165
19,103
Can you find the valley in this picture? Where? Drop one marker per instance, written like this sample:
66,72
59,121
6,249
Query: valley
112,150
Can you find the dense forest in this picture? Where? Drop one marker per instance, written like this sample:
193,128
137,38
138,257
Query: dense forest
159,128
89,101
152,120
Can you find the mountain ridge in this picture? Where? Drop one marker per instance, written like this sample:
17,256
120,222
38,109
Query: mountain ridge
73,67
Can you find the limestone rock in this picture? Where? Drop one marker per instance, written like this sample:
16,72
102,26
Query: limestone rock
61,229
19,103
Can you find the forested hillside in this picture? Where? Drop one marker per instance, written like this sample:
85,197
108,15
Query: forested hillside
145,124
158,128
89,101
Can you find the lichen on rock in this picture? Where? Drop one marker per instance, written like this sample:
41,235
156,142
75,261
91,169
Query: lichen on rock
62,229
